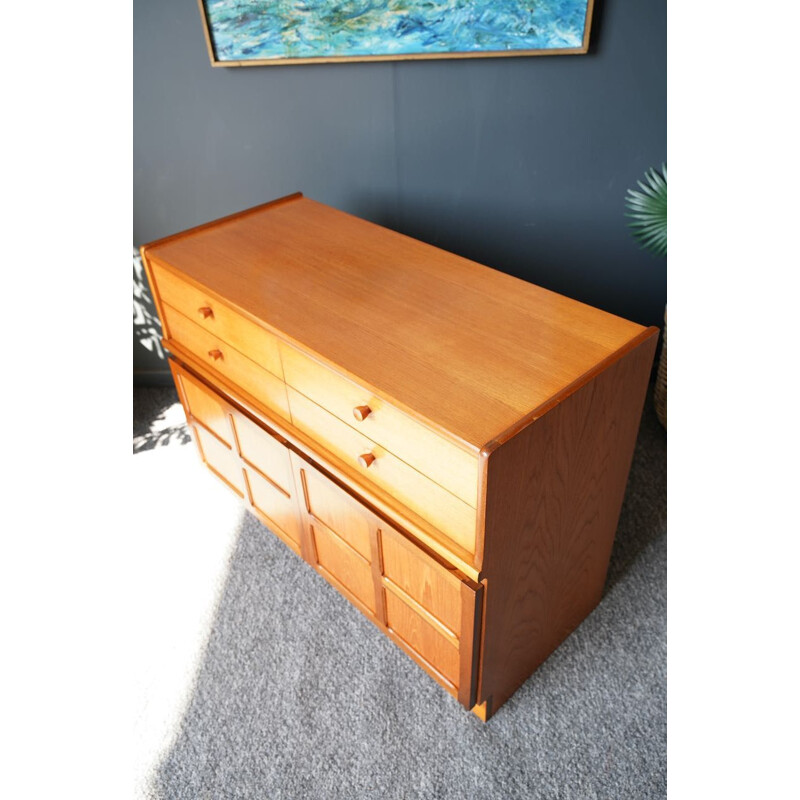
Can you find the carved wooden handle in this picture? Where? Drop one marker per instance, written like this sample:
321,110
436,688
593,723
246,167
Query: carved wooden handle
215,354
206,311
366,459
361,412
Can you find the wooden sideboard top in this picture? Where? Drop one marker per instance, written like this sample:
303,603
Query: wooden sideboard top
472,350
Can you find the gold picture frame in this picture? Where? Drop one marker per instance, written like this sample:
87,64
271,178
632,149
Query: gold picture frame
226,49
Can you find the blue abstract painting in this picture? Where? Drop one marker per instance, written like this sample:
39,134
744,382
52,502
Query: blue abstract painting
281,30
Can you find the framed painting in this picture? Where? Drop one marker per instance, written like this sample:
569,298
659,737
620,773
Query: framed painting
242,33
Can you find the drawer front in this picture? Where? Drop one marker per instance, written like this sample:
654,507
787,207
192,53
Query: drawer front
445,463
219,320
254,463
452,516
431,611
260,384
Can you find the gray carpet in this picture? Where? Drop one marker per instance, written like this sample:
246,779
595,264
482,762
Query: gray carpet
296,695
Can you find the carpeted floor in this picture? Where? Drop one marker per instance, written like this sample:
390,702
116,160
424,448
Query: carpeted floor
258,680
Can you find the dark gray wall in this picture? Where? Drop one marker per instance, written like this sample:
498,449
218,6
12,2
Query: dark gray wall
519,163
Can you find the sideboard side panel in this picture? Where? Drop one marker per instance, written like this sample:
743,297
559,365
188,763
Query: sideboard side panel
554,495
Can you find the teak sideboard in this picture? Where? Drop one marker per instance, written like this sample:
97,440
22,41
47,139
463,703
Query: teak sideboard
446,444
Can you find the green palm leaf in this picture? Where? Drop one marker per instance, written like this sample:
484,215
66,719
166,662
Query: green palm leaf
647,211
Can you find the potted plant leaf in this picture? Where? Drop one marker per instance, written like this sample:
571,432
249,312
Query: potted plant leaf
647,210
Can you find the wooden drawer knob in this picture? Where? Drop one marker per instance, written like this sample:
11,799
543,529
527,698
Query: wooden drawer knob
206,311
215,354
366,459
361,412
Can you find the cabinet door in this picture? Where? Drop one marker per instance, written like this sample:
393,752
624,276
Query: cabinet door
246,456
341,535
207,416
425,606
268,476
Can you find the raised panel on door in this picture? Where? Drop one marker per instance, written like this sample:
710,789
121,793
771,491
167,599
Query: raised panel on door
348,567
251,460
265,452
329,504
220,458
438,649
434,610
204,406
426,581
278,507
341,539
429,609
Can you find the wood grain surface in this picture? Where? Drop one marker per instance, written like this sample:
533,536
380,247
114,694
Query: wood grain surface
464,347
348,475
554,493
451,466
417,492
214,316
253,462
450,446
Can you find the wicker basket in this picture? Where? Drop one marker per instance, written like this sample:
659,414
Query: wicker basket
660,391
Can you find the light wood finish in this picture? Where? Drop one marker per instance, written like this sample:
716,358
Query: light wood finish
348,474
481,712
446,445
458,345
436,588
266,453
450,515
275,504
344,563
419,602
252,460
453,467
551,513
422,637
326,503
219,457
207,408
228,362
269,62
222,322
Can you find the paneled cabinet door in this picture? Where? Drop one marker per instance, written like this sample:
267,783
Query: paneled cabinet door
251,460
428,608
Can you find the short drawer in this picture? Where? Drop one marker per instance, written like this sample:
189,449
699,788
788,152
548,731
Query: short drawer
260,384
446,512
224,323
444,462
